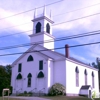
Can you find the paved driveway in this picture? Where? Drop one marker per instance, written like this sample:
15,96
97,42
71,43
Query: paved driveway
29,98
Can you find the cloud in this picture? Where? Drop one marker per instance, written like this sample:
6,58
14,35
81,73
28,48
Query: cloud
22,22
65,29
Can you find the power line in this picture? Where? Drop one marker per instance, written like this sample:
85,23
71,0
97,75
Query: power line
48,5
31,10
50,49
84,44
15,25
57,23
57,39
55,15
60,23
76,19
78,9
14,34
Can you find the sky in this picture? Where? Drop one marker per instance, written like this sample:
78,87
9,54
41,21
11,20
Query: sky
68,17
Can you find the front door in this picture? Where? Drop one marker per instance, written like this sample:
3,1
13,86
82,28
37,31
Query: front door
41,84
18,85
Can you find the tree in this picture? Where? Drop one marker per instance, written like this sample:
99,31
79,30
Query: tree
98,64
94,65
5,77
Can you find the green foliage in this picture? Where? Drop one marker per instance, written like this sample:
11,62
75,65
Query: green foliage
57,89
30,93
25,94
5,77
93,94
94,65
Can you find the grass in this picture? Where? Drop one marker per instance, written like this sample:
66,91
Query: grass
10,99
68,98
56,98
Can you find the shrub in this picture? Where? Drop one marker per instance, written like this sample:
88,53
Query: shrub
93,94
25,92
21,94
30,93
57,89
10,88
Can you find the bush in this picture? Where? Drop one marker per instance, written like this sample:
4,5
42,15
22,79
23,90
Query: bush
93,94
25,92
30,92
57,89
10,88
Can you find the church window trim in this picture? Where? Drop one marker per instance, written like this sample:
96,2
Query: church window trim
85,74
30,58
48,28
38,27
40,75
93,86
29,77
41,65
19,67
77,76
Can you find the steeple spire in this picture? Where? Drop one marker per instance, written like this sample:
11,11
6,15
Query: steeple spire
44,11
35,13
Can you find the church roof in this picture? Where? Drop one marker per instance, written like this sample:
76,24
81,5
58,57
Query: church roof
85,87
52,55
45,53
81,63
78,61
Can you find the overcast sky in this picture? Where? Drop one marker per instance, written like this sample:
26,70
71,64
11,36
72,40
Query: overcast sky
65,11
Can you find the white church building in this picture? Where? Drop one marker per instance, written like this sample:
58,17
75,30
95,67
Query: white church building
40,67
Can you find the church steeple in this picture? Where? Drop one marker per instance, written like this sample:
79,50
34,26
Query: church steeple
42,29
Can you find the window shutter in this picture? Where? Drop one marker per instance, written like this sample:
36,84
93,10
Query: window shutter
41,65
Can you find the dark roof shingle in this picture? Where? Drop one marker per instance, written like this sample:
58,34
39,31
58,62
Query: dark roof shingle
85,87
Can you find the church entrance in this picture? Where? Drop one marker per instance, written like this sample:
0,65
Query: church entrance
18,85
41,84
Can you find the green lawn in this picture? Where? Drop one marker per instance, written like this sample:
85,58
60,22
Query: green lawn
57,98
10,99
68,98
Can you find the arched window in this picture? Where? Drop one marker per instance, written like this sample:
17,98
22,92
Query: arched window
85,73
38,27
29,76
92,79
19,76
40,75
77,76
48,28
30,58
